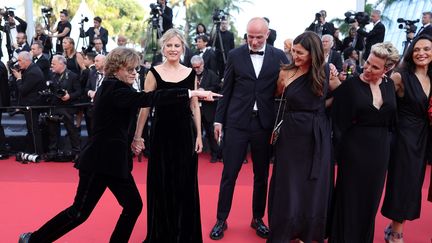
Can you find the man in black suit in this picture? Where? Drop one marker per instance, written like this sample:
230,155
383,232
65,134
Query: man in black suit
426,28
165,17
68,82
98,47
21,44
207,80
11,29
222,49
40,59
4,102
30,80
94,81
331,55
320,25
247,113
376,35
97,31
207,54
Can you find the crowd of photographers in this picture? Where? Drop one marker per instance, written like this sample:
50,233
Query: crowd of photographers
53,83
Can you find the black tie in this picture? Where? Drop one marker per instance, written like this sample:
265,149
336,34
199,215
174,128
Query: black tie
35,59
256,52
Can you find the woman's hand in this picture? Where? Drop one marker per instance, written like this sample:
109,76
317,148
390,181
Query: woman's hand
198,145
137,145
205,95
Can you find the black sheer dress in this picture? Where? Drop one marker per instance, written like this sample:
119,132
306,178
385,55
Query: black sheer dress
173,211
363,151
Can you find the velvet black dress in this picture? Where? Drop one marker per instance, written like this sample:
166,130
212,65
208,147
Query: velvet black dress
300,183
173,211
407,166
363,151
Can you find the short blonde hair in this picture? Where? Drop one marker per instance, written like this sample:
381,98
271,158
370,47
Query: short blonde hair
386,51
118,58
173,32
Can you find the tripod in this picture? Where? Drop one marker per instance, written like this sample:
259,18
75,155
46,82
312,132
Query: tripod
153,34
83,39
216,34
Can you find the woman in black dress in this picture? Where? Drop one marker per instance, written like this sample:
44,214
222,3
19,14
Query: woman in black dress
363,114
407,166
173,211
105,161
300,183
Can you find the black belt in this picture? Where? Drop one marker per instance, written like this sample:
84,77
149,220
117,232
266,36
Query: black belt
254,113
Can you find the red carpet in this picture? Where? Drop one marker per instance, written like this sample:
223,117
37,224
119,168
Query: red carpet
33,193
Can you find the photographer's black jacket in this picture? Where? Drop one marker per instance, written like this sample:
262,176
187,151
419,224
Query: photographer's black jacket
21,27
103,35
116,105
69,81
32,81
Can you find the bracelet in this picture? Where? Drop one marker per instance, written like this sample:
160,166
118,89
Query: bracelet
138,139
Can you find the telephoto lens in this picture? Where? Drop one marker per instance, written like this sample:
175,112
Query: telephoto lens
26,157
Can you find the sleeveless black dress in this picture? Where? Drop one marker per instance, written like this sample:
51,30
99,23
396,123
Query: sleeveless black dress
407,166
173,211
300,183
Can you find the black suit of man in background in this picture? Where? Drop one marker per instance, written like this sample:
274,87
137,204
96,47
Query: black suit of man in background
30,81
376,35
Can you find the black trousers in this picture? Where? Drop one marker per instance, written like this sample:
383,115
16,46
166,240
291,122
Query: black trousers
234,151
54,130
91,187
34,135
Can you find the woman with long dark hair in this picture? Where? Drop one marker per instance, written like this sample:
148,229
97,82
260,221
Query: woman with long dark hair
407,166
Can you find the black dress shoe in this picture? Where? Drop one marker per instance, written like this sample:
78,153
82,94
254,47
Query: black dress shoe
4,156
24,237
261,229
217,232
213,159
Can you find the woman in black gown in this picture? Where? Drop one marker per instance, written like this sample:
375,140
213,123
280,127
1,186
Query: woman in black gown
363,114
300,183
407,166
173,212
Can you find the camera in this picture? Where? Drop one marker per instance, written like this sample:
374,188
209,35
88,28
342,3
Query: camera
47,11
51,117
317,17
7,12
52,90
408,25
83,19
13,64
362,18
219,15
155,8
24,157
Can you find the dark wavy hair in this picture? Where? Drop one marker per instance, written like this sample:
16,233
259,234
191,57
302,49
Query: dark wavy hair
200,24
408,62
316,73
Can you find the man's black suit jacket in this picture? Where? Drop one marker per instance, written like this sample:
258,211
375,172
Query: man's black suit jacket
167,17
209,81
376,35
426,31
103,35
31,82
242,88
116,106
44,65
336,59
91,81
210,61
4,86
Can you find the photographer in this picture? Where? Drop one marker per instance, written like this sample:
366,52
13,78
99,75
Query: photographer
66,89
426,29
62,29
165,15
97,31
376,35
11,29
30,80
320,26
221,51
44,39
